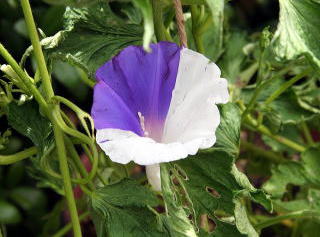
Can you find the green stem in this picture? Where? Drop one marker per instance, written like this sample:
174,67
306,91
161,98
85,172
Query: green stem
276,158
24,77
285,86
307,133
259,88
196,34
67,181
253,125
59,136
76,159
85,79
68,227
33,34
292,215
159,29
10,159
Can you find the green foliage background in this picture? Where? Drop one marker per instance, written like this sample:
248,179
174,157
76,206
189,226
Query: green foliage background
261,178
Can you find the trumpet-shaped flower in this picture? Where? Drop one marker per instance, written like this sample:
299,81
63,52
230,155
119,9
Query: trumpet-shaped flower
157,107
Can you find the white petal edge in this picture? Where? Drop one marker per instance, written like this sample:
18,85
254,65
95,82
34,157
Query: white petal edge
125,146
192,113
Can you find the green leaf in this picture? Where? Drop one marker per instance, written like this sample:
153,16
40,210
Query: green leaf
298,30
93,35
228,132
242,222
289,110
146,9
210,183
233,57
176,219
42,169
9,214
28,121
121,209
291,172
305,175
209,28
297,173
213,184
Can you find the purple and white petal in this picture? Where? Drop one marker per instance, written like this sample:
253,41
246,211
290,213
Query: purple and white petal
157,107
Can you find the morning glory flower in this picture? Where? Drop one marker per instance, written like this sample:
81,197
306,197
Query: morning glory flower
157,107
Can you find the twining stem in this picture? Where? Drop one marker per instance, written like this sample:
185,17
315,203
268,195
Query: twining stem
59,136
285,86
292,215
76,159
68,227
37,47
10,159
274,157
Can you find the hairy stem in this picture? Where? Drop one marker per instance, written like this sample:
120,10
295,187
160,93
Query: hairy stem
10,159
292,215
